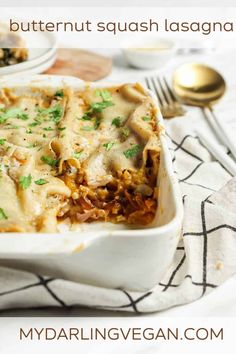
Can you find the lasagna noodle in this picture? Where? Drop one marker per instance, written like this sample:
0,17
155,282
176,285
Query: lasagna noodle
87,155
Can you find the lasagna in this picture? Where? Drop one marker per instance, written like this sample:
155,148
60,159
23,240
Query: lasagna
84,156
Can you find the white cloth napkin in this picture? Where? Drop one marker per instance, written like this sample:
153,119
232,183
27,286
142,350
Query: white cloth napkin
205,256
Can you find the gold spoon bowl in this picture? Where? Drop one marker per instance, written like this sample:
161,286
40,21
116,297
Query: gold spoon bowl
198,84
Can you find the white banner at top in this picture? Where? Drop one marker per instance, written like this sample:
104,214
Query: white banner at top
109,27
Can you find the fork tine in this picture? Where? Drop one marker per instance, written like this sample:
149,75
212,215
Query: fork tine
168,102
147,83
171,93
164,93
160,99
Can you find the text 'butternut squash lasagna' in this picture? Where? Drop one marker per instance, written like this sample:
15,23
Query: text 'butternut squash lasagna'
81,155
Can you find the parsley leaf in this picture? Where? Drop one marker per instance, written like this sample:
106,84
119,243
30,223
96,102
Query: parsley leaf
32,145
61,129
13,113
116,121
2,118
76,155
133,151
85,117
2,141
3,214
40,181
48,129
98,107
125,133
59,93
146,118
108,145
25,181
34,124
22,116
49,161
54,113
97,123
105,94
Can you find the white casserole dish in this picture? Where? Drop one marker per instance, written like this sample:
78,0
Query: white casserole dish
102,254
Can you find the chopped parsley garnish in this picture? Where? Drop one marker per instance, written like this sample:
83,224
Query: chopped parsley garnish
2,118
40,181
22,116
48,129
98,107
133,151
50,161
29,131
108,145
76,155
116,121
61,129
13,113
105,94
44,136
125,133
54,113
34,124
97,123
85,117
59,93
146,118
2,141
25,181
32,145
3,214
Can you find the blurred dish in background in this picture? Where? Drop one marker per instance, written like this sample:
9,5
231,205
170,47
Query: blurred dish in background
37,69
12,47
12,56
19,55
152,53
188,46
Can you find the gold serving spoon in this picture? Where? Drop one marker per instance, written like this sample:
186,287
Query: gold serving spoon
202,86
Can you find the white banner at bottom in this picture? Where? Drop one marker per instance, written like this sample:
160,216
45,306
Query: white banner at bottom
105,335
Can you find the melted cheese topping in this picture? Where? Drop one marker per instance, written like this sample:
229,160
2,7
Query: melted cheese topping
87,155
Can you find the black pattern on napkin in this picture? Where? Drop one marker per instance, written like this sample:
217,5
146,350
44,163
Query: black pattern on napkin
203,258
